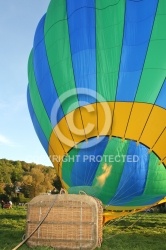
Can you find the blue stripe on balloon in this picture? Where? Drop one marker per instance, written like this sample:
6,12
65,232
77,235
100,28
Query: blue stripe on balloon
36,124
133,179
161,100
88,159
43,75
151,200
81,25
139,19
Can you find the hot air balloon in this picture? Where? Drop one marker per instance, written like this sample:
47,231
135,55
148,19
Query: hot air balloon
97,98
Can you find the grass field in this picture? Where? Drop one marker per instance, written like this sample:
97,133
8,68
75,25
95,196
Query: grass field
138,232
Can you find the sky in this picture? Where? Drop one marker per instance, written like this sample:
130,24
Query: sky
18,22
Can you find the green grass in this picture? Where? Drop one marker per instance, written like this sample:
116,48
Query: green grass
139,232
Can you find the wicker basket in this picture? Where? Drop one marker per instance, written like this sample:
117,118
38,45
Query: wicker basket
72,221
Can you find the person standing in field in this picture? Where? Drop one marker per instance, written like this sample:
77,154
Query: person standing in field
10,202
2,203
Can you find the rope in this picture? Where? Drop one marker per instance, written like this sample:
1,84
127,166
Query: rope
21,243
131,213
126,228
81,192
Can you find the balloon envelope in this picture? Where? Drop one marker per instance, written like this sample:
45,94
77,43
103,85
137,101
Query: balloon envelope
96,96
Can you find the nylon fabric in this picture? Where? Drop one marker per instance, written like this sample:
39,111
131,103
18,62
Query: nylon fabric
156,177
96,97
81,24
109,170
144,200
143,120
109,34
43,76
144,188
139,18
133,179
37,102
67,166
85,168
155,184
161,100
59,55
154,72
36,124
152,200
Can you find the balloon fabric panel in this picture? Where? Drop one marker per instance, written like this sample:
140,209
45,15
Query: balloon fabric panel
109,35
139,19
36,124
92,59
134,175
37,102
43,75
59,54
83,50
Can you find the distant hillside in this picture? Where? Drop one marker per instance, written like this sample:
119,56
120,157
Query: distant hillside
20,180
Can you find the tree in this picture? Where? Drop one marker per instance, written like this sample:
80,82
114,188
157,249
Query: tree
17,172
28,179
57,183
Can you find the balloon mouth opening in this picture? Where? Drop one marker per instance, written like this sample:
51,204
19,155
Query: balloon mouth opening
86,190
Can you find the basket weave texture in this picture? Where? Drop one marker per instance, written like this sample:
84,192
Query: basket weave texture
74,221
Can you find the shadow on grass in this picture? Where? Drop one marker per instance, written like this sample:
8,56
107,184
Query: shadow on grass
136,241
125,224
151,220
12,216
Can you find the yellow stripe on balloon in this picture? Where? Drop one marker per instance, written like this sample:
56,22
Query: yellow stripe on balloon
141,122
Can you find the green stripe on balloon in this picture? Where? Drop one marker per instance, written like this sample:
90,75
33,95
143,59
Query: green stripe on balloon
114,147
58,51
156,177
67,166
109,36
155,65
37,102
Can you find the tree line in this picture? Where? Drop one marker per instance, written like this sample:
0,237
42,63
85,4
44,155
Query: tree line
21,181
